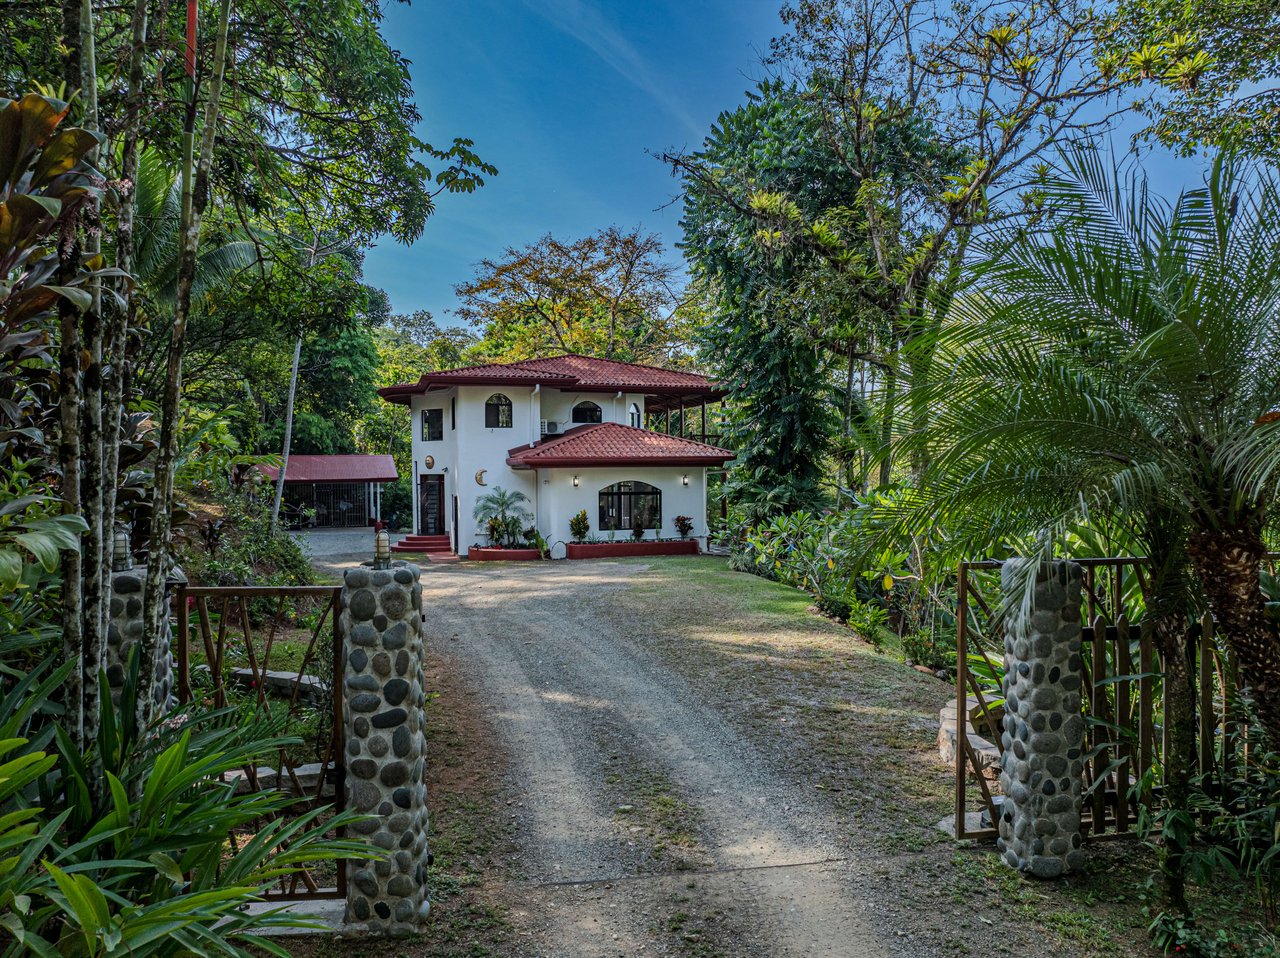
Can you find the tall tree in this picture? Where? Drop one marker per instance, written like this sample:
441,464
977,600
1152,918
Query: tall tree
1209,68
611,294
983,89
1124,364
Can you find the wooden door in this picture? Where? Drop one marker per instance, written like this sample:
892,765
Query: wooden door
431,505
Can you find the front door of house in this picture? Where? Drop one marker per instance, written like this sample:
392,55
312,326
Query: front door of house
431,505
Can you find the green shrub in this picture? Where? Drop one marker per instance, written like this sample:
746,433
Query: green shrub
934,648
869,621
579,526
232,543
126,850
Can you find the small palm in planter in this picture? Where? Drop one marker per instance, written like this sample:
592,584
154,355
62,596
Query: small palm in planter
504,514
684,526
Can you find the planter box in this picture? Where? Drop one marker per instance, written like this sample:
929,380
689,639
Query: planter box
616,550
481,554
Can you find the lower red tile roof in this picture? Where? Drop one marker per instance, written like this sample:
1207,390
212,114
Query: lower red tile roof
336,469
610,444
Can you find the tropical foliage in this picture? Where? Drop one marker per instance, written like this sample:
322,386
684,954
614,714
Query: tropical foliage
504,515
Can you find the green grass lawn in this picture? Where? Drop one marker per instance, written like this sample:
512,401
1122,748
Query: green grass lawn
861,727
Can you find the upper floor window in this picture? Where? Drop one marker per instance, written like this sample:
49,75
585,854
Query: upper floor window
633,416
587,412
497,412
432,425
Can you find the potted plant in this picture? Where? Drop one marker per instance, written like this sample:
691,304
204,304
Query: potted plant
684,526
579,526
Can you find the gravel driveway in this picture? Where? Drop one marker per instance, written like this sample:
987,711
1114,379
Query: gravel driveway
642,817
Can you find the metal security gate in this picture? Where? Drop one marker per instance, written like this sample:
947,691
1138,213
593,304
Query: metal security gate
276,649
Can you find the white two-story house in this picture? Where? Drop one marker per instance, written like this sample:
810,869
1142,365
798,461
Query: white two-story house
570,433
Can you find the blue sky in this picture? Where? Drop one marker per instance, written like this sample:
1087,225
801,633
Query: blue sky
564,97
568,98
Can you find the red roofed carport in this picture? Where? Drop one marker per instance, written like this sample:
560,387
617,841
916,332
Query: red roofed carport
333,491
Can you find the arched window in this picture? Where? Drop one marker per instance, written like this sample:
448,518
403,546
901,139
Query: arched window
497,412
624,505
633,416
587,412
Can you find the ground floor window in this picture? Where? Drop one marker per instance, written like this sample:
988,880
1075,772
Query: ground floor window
623,505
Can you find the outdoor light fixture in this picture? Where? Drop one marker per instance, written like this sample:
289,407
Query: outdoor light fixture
575,482
121,560
382,549
684,480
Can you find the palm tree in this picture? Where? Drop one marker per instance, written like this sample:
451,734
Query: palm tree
504,512
1126,362
1123,366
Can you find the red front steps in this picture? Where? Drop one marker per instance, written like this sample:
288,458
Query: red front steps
435,548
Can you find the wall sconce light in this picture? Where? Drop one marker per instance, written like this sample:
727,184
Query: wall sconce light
684,480
575,482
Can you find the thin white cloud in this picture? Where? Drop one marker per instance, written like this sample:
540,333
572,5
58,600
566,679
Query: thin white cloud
584,22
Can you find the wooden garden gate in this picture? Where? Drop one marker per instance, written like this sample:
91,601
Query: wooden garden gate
276,649
1121,695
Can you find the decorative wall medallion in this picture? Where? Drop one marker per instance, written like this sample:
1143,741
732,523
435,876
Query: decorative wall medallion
480,477
429,462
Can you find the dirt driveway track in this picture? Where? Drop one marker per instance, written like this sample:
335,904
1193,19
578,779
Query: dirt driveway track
584,708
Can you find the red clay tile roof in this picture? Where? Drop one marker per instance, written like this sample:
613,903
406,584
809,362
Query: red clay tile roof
610,444
336,469
582,373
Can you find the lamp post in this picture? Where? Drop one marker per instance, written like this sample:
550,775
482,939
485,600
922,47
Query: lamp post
382,549
121,560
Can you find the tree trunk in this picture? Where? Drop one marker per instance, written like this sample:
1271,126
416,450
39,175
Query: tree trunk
288,434
195,197
120,319
94,598
1229,564
72,604
1169,634
886,424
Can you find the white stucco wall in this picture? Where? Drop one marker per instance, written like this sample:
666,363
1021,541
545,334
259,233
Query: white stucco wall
471,446
559,500
558,406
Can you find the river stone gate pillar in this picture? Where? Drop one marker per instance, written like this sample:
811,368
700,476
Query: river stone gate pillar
124,631
383,703
1042,764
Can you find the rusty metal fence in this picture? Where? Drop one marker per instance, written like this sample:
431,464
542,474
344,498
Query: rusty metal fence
279,650
1122,696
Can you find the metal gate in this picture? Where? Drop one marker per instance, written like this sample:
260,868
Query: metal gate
278,648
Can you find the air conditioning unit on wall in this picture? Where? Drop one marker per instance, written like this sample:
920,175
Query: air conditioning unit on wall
550,427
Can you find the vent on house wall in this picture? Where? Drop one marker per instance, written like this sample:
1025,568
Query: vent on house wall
550,427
